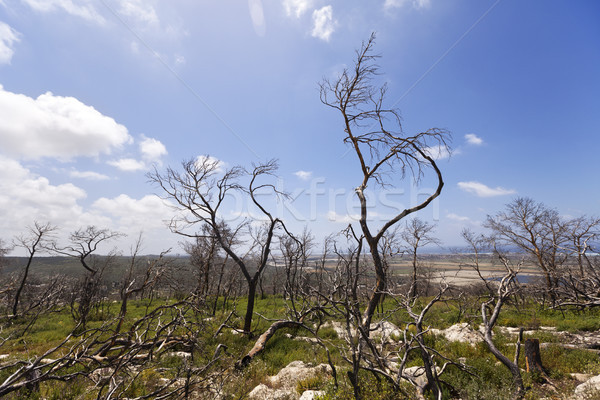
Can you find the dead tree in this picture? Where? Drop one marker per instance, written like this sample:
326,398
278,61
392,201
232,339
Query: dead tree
83,244
477,244
375,135
32,242
536,230
203,252
581,277
200,192
490,311
416,234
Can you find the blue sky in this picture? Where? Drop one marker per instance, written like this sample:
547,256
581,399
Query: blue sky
95,92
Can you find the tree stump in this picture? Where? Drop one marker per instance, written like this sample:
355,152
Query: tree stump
533,359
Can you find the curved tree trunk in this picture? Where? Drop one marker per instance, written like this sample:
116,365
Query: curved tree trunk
250,307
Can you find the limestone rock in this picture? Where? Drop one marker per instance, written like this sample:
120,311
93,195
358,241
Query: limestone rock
592,385
311,394
460,333
263,392
283,385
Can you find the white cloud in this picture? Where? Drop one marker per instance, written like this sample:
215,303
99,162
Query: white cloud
323,23
297,8
258,16
89,175
304,175
82,8
462,220
142,12
132,215
417,4
457,217
438,152
473,139
128,164
220,164
346,219
26,197
481,190
55,126
152,150
8,36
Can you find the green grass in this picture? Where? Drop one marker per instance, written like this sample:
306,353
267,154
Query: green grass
490,380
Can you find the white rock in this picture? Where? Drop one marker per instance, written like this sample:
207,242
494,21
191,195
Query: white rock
296,371
591,385
263,392
460,333
384,330
283,385
311,394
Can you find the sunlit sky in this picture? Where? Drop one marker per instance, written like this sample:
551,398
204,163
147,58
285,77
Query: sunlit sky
95,92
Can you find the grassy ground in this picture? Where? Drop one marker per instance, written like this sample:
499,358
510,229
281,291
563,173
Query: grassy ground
488,381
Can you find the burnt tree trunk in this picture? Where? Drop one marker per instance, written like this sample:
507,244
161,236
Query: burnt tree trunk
533,359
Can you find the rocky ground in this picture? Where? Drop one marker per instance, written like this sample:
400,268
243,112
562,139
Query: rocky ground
284,385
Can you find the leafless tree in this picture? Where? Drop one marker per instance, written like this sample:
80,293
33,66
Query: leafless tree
490,311
36,239
477,245
536,230
375,135
583,233
416,234
83,243
580,283
295,254
200,191
203,252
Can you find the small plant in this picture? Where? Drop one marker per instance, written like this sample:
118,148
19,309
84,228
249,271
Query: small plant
328,333
316,382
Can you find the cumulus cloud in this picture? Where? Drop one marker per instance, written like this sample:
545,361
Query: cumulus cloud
323,23
481,190
83,9
56,126
297,8
8,37
89,175
304,175
133,215
417,4
473,139
128,164
25,197
152,150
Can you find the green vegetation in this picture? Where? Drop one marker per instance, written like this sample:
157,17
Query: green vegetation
484,378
